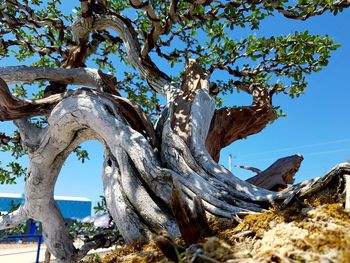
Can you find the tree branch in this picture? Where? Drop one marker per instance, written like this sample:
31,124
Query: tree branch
158,80
249,168
30,135
279,174
76,76
157,28
231,124
12,108
5,140
101,240
297,12
14,218
60,76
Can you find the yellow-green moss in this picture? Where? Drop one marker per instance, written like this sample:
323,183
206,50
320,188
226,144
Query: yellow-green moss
336,211
134,253
259,223
326,228
318,200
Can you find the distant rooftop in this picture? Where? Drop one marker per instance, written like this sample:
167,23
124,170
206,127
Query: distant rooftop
71,207
71,198
56,197
6,195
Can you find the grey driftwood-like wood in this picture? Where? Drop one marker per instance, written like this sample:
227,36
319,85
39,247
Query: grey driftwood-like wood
347,192
278,175
141,161
132,167
76,76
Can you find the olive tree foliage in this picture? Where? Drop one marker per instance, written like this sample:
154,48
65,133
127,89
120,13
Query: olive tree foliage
96,74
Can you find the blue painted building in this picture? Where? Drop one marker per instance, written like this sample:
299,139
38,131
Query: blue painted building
74,207
71,207
8,201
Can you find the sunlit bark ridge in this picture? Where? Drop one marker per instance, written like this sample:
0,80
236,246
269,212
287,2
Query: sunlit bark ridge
142,162
137,178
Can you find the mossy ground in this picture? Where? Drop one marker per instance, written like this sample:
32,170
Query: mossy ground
319,232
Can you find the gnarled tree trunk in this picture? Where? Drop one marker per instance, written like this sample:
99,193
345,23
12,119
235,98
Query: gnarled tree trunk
140,162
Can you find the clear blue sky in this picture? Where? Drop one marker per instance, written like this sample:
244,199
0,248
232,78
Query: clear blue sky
317,126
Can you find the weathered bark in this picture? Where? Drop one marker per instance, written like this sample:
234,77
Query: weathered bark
347,192
158,80
194,80
140,162
66,130
12,108
137,180
76,76
235,123
278,175
193,223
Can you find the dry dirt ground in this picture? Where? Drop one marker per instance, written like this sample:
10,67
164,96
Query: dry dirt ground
26,253
318,233
20,253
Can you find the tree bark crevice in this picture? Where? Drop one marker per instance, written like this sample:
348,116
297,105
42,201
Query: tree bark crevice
162,178
138,180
